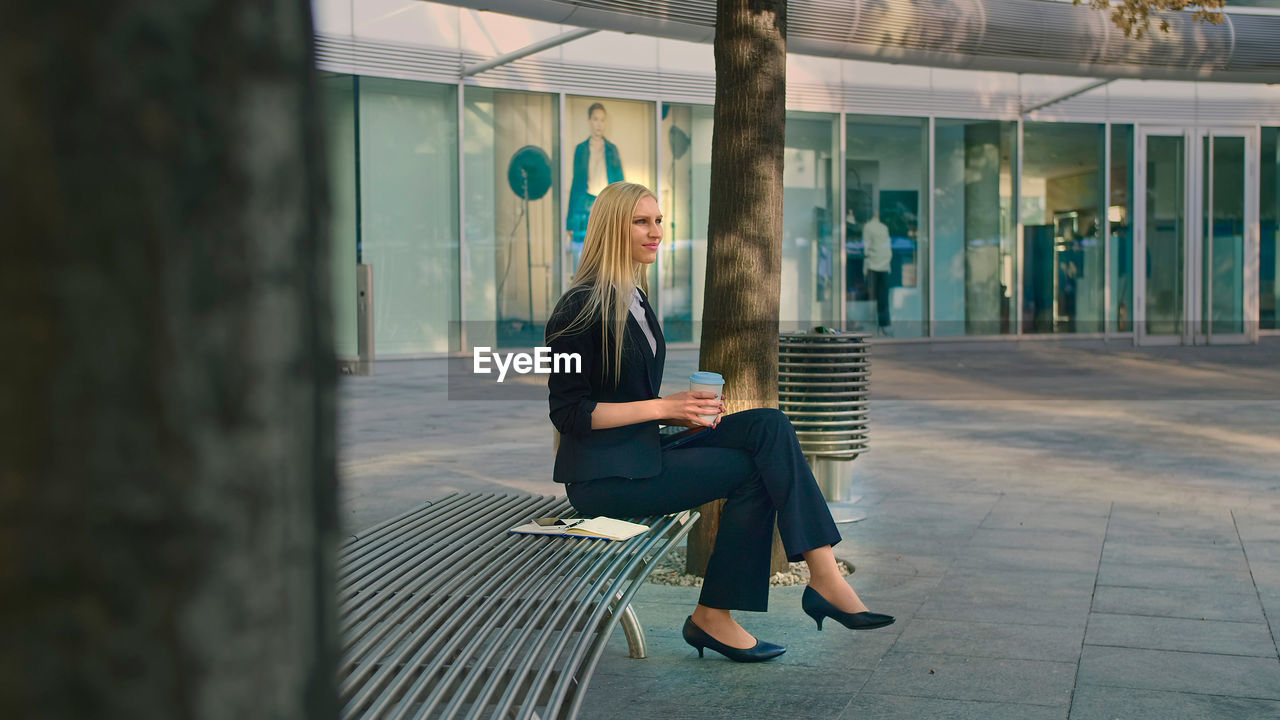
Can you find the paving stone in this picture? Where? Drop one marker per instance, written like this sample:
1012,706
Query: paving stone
1189,603
934,552
1004,558
1128,520
969,511
667,654
1038,539
1096,702
1215,557
1025,597
897,595
865,489
1265,573
1059,506
991,640
836,648
1256,527
876,706
1160,633
1262,551
924,538
1181,672
1267,582
1268,586
718,688
1236,580
898,563
1043,519
1033,682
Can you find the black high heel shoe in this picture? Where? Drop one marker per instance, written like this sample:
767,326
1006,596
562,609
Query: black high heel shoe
817,607
699,639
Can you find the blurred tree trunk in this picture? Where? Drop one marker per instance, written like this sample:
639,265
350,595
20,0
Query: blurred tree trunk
167,446
744,228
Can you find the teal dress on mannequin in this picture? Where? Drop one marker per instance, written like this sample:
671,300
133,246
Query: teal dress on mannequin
580,201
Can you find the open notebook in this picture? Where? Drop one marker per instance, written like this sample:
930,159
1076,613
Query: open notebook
599,527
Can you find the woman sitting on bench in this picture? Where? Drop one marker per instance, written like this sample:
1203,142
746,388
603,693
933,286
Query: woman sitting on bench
613,463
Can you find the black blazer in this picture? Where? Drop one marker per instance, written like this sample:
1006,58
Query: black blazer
627,451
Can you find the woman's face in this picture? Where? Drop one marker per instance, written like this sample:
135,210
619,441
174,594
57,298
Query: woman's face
597,122
646,230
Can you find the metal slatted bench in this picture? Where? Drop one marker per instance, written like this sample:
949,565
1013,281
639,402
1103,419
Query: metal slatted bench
445,614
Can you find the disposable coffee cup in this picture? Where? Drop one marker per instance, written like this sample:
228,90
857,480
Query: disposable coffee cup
709,382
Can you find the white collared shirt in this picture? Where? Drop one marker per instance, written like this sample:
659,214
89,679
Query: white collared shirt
637,311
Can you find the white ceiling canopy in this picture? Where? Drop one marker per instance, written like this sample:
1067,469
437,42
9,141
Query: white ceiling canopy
1026,36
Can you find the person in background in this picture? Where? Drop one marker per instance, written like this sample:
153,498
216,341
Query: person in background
877,262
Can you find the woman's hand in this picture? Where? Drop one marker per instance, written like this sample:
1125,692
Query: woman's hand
683,408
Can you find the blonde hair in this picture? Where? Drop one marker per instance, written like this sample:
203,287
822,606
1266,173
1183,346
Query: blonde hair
606,272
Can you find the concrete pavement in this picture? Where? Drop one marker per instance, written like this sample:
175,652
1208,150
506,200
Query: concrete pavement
1063,529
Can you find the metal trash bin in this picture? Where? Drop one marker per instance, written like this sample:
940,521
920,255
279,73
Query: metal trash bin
823,381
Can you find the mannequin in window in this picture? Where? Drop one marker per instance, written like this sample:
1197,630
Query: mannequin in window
596,164
876,266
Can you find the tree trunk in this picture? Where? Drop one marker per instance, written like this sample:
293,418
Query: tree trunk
744,228
167,419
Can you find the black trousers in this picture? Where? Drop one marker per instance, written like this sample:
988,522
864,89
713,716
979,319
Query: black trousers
878,284
753,460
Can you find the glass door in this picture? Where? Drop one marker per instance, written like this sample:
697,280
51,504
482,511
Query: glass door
1161,235
1223,228
1193,240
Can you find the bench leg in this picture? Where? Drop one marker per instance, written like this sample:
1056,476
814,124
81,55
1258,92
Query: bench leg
635,633
630,626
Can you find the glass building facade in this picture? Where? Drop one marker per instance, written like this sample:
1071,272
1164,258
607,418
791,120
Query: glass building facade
1063,246
468,202
809,263
686,183
974,249
887,183
393,158
1119,233
1269,216
512,265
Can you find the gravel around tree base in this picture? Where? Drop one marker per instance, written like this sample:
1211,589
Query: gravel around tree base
670,571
